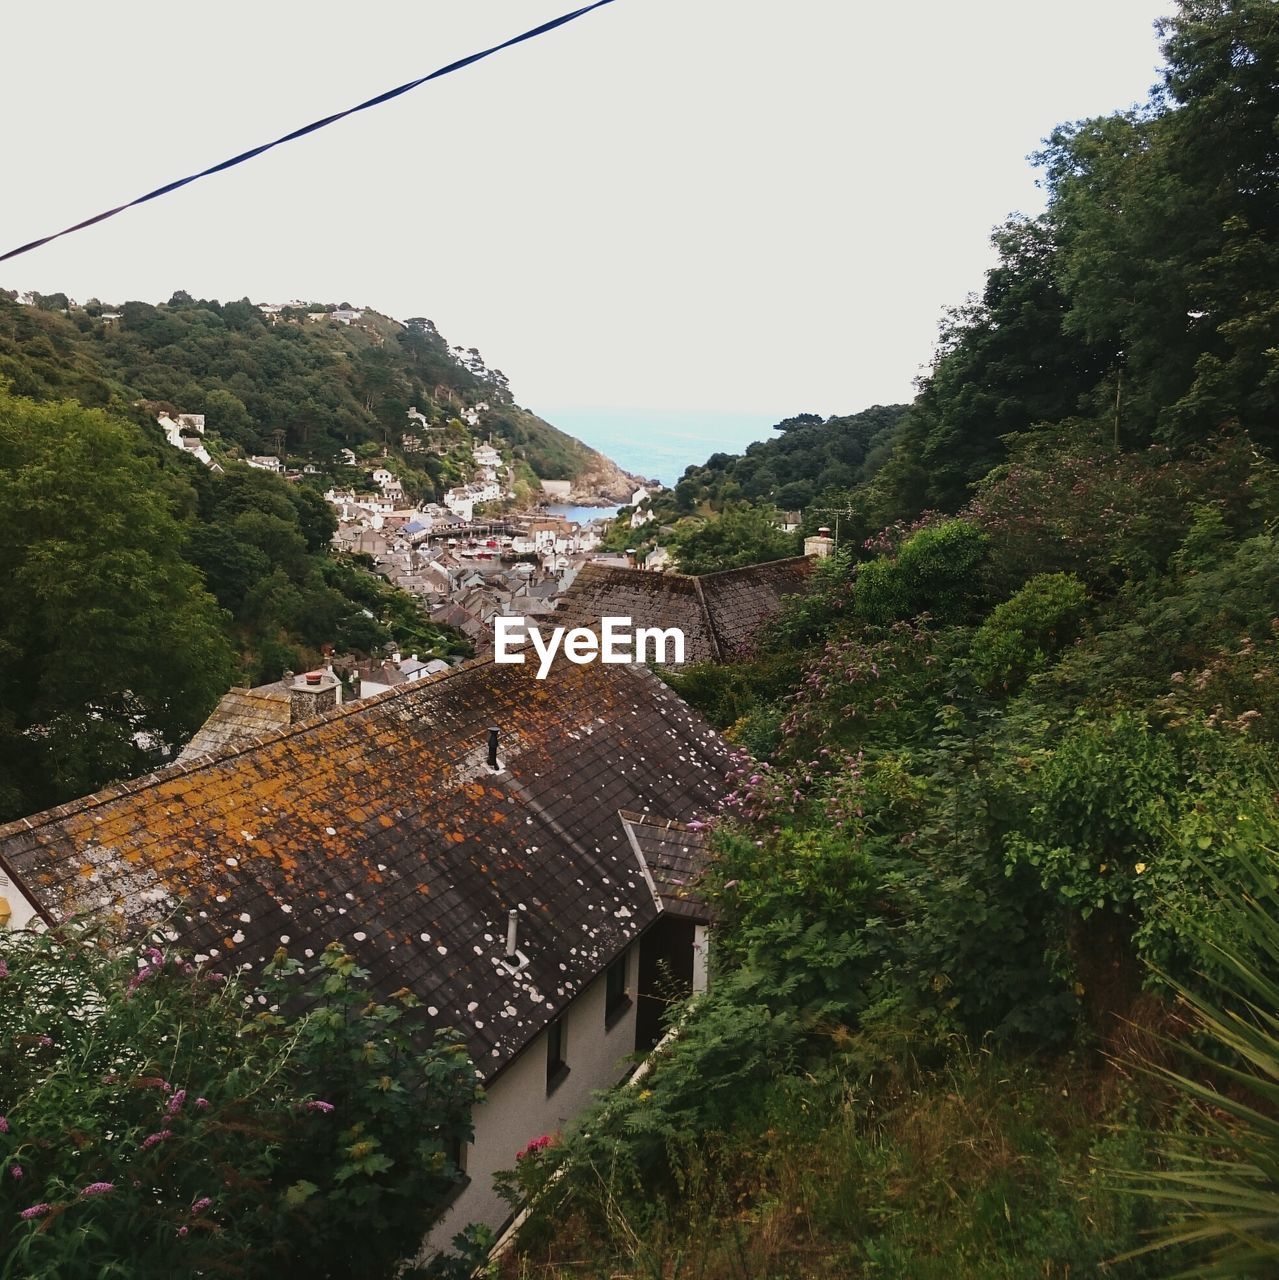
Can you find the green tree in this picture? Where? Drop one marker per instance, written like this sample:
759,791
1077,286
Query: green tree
110,647
741,536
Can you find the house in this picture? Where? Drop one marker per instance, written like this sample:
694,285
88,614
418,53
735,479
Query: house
265,462
184,432
517,853
658,560
789,521
720,614
461,503
347,456
377,677
486,456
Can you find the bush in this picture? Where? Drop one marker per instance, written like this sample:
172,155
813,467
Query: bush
1025,630
934,572
162,1121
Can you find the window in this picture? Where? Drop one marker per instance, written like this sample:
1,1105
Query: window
616,1001
556,1053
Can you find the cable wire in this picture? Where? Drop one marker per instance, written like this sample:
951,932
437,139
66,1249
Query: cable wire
313,127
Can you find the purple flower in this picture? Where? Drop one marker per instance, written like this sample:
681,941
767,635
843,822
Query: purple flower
36,1211
317,1105
98,1188
46,1041
203,1203
202,1104
181,1232
153,956
4,969
15,1171
154,1139
175,1102
4,1124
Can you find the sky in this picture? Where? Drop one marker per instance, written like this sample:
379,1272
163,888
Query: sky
697,210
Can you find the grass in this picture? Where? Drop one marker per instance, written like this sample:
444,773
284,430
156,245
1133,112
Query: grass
986,1169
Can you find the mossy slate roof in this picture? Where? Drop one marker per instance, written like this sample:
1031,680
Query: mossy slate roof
241,714
721,614
380,826
675,855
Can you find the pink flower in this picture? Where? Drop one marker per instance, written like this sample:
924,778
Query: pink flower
202,1104
4,1124
536,1145
4,969
15,1171
175,1102
154,1139
98,1188
316,1105
36,1211
46,1041
203,1203
181,1232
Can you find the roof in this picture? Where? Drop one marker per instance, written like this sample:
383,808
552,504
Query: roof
241,714
675,855
720,614
379,825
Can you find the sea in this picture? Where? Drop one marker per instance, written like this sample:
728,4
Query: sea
659,444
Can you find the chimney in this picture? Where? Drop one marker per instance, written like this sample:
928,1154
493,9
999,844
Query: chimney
820,546
492,756
311,695
512,933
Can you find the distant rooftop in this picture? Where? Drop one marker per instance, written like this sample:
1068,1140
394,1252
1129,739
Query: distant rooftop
721,614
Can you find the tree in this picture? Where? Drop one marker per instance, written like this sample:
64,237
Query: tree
741,536
111,650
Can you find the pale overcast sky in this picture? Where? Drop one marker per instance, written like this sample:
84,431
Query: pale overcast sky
678,205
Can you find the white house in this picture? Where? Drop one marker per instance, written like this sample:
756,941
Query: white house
265,462
461,502
183,433
520,907
486,456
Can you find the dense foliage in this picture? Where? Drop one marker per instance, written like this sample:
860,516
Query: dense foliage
138,585
1011,757
296,383
160,1119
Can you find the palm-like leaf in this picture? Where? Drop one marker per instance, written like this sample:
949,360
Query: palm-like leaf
1224,1179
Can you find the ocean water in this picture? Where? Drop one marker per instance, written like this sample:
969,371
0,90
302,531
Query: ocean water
660,444
582,515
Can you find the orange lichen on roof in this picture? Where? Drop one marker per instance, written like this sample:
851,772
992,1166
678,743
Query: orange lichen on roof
378,826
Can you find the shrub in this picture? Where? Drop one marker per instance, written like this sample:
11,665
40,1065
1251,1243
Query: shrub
934,572
161,1121
1022,632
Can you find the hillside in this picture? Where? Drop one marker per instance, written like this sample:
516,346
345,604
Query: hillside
287,380
996,968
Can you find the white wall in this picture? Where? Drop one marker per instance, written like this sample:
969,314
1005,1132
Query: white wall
518,1109
22,913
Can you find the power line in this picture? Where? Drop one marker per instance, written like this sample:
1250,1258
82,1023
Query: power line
313,127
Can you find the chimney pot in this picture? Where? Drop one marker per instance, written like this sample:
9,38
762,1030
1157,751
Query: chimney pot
512,933
492,754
